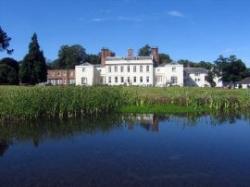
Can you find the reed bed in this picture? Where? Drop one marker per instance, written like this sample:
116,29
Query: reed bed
65,102
58,102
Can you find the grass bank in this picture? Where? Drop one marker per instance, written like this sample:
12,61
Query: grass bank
63,102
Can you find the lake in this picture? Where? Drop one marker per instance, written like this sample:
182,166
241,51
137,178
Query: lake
126,151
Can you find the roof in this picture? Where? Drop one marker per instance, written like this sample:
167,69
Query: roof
125,58
195,70
245,81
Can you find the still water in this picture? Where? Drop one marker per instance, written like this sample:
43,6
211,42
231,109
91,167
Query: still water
142,150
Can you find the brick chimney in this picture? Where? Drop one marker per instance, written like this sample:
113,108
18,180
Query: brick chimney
155,55
130,53
104,54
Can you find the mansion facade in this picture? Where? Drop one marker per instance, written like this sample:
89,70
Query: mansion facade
130,70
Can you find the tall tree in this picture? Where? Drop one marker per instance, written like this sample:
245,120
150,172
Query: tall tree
231,68
70,56
145,51
165,58
33,68
9,71
4,41
93,59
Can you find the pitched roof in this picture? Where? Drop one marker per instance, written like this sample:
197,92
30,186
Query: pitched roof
245,81
195,70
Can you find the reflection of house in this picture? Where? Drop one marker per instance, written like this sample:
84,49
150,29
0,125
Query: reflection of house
61,77
150,122
130,70
195,77
245,83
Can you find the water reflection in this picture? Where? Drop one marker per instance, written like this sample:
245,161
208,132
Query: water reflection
38,131
129,150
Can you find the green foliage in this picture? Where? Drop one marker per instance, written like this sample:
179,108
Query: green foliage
52,102
165,58
33,68
210,79
70,56
66,102
93,59
5,41
145,51
201,64
9,71
232,68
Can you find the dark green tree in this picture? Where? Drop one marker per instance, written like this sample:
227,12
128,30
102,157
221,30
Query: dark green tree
232,69
210,78
93,59
33,69
4,41
9,71
70,56
186,63
165,58
145,51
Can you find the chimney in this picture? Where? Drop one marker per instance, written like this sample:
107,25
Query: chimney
130,53
155,54
104,54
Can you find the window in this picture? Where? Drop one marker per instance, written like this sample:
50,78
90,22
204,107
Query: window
134,69
109,79
122,68
116,68
83,69
141,68
197,74
102,80
174,80
128,79
134,79
173,69
147,69
147,79
141,79
122,79
109,69
116,79
128,68
84,80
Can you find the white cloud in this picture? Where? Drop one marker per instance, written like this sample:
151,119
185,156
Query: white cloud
175,13
98,20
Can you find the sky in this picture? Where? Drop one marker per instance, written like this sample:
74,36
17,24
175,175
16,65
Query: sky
185,29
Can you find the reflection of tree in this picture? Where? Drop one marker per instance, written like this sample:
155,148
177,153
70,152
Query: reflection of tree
3,147
57,129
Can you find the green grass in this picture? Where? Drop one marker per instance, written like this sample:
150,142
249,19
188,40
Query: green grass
66,102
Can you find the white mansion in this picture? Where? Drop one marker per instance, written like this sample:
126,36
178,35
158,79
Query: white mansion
130,70
140,71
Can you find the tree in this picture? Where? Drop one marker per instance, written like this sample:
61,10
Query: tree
93,59
232,69
210,78
70,56
145,51
4,41
186,63
33,68
9,71
165,58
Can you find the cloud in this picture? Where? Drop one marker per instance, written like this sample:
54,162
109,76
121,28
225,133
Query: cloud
98,19
175,13
118,19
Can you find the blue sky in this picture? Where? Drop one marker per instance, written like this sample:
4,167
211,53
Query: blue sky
185,29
